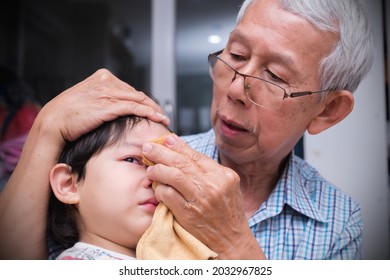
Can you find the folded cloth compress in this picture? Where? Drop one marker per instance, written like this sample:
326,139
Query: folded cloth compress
166,239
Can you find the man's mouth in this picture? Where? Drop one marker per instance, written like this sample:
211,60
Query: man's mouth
233,126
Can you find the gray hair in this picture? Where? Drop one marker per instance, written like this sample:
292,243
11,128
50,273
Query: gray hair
352,56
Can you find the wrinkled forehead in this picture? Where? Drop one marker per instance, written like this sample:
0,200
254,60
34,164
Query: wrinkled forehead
267,21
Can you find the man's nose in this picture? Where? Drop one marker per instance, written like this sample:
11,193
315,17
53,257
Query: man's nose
237,90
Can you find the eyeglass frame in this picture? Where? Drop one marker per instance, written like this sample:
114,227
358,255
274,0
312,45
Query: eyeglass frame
246,87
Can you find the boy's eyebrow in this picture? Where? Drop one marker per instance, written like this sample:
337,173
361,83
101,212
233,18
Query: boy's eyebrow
137,144
130,142
127,143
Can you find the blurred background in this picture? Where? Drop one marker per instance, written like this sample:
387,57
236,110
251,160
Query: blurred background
55,44
161,47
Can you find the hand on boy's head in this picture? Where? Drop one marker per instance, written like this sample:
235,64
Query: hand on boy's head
107,97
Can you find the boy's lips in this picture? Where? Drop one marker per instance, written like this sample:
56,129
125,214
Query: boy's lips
151,200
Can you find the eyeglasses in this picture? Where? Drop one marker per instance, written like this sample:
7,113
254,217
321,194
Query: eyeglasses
260,92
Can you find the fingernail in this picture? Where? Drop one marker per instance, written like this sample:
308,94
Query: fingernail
162,117
170,140
146,148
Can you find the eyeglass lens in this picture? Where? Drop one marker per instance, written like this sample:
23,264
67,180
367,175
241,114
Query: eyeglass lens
260,92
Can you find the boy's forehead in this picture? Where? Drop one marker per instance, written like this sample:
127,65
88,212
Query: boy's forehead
149,130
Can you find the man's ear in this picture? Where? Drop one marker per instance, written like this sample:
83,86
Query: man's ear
338,105
63,184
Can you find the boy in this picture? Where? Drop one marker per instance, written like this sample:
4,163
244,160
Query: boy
102,201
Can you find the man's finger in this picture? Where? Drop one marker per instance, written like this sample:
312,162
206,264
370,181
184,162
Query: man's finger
176,179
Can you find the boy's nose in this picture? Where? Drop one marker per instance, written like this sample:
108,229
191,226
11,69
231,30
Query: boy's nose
147,183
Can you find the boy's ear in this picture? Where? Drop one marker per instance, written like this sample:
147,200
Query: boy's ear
64,184
338,105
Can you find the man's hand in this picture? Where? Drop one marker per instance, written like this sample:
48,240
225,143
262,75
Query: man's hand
99,98
204,197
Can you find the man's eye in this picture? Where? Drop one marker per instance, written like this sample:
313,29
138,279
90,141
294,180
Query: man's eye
236,57
274,78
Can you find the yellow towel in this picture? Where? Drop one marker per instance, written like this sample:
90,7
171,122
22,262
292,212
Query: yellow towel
166,239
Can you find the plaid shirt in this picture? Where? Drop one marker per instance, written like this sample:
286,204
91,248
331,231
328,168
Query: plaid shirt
305,217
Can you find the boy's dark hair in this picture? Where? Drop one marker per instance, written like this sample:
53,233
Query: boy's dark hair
62,225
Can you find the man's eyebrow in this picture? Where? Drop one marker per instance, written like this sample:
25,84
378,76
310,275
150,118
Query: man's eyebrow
283,59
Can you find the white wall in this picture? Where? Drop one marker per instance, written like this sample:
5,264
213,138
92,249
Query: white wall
353,154
163,76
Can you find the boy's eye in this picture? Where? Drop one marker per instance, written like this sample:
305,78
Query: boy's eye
134,160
